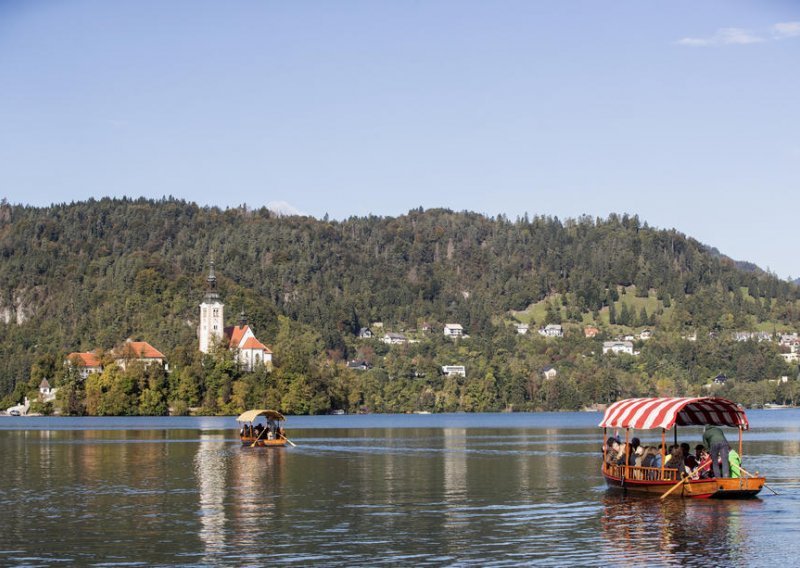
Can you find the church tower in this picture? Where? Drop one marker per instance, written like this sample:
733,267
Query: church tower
211,314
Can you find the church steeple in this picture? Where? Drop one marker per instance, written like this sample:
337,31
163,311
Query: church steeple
212,314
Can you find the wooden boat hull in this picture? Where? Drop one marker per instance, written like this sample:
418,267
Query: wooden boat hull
727,488
263,443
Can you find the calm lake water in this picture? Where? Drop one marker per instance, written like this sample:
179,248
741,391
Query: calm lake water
491,489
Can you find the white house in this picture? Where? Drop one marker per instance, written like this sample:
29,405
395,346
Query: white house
454,371
791,357
618,347
645,335
394,338
522,328
552,330
549,372
365,333
86,363
453,330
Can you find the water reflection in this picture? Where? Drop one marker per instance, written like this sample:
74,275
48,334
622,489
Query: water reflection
210,468
676,531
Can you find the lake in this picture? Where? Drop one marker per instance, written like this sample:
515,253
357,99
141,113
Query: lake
460,489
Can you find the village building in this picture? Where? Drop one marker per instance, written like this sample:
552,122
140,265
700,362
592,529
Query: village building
552,330
454,371
359,365
392,338
250,352
522,328
86,363
645,334
138,351
453,330
549,373
618,347
365,333
793,357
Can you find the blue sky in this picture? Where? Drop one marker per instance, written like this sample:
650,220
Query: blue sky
686,113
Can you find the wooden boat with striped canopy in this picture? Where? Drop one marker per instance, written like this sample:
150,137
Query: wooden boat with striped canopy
255,434
669,413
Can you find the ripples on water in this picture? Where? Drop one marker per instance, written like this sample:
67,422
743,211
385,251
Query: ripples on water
374,496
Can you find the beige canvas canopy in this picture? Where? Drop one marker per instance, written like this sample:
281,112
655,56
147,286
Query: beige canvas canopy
250,415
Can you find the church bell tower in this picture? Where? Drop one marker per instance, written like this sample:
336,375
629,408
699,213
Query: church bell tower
211,314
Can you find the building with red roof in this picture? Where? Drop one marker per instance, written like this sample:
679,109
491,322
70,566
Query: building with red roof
138,351
86,362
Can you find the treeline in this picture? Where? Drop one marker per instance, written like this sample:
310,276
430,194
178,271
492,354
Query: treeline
89,275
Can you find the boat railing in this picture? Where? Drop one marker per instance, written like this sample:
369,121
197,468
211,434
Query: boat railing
641,473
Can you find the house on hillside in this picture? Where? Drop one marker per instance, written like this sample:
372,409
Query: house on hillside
392,338
792,357
454,371
141,351
86,363
552,330
720,379
645,334
365,333
522,328
615,347
590,331
359,365
549,373
453,330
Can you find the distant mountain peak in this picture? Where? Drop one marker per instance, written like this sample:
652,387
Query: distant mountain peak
284,209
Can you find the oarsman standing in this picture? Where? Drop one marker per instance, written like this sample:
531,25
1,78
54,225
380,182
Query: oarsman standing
714,438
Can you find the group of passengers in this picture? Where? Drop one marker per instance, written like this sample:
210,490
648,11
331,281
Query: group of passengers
273,432
713,458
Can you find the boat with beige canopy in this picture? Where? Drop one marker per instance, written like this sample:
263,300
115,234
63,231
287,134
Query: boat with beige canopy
266,433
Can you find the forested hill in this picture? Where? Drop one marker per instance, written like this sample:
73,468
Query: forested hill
91,274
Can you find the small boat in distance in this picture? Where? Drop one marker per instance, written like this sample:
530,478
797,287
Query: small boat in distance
267,433
665,414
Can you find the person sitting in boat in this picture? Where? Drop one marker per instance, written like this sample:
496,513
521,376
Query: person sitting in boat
258,430
735,463
714,439
676,461
625,456
638,455
688,458
611,450
649,456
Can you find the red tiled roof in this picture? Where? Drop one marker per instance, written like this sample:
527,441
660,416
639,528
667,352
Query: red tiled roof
236,333
253,343
87,359
140,350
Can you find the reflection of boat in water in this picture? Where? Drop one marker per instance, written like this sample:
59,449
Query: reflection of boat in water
255,433
667,413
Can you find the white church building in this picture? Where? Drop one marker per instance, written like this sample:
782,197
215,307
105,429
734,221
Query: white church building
250,352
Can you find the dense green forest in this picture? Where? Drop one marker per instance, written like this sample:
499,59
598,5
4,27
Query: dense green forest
89,275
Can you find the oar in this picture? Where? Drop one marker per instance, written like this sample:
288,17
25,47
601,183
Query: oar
674,487
259,437
743,470
288,440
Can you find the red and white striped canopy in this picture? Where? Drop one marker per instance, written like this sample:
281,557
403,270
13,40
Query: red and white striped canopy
647,413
